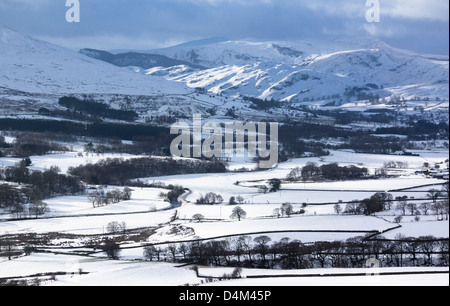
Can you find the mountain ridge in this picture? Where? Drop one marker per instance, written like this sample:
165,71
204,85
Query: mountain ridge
302,71
316,74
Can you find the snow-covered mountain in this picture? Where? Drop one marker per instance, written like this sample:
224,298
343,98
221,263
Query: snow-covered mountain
302,71
34,66
35,73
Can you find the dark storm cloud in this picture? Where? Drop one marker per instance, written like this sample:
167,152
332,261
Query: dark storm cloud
146,24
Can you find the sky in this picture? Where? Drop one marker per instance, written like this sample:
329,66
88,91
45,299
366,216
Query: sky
416,25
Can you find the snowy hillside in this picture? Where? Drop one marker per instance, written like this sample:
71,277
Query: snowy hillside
34,66
302,71
35,74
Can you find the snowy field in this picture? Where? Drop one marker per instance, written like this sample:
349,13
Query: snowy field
75,214
147,210
308,223
102,272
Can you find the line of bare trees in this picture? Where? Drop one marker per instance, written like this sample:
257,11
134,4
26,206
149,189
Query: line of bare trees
327,172
118,171
30,144
26,190
383,201
261,252
102,197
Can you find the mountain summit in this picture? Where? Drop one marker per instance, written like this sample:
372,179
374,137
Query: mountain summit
304,71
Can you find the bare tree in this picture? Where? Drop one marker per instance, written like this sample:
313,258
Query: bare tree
384,199
445,191
38,208
412,208
126,194
428,245
274,185
17,210
262,246
115,227
111,248
438,209
263,189
172,249
198,217
445,208
413,248
401,206
425,208
183,249
238,247
238,213
149,252
434,194
444,250
211,199
276,212
353,208
398,219
445,202
295,174
337,209
287,209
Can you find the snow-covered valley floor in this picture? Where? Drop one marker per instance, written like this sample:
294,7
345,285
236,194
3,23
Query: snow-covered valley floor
103,272
76,217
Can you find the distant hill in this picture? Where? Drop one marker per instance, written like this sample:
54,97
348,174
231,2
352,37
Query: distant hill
34,66
348,69
136,59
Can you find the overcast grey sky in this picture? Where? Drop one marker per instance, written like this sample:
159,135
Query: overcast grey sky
418,25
